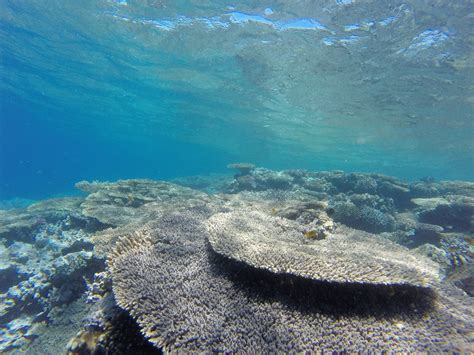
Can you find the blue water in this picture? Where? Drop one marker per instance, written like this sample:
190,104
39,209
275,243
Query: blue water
102,90
42,159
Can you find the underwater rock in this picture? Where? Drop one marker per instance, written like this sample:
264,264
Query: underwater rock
185,298
9,275
279,245
53,335
16,334
127,201
24,304
22,252
243,168
71,265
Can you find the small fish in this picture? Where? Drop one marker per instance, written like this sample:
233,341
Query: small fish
312,234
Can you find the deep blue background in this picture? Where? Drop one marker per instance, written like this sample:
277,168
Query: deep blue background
40,159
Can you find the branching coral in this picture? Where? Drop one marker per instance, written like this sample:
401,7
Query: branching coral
347,255
185,297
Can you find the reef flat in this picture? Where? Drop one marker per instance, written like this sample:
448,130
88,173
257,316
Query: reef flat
264,261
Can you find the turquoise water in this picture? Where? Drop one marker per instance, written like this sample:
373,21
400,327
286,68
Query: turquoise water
262,176
116,89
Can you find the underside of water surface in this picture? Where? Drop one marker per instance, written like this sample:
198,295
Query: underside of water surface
246,176
111,89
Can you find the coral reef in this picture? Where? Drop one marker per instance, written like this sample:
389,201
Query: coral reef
126,201
363,217
185,297
270,261
51,337
259,179
45,255
346,255
109,330
21,224
411,214
452,212
424,188
463,277
317,224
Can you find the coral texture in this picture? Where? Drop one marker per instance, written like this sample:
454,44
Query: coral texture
126,201
185,297
347,255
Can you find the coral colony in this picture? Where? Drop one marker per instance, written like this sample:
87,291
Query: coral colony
270,261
